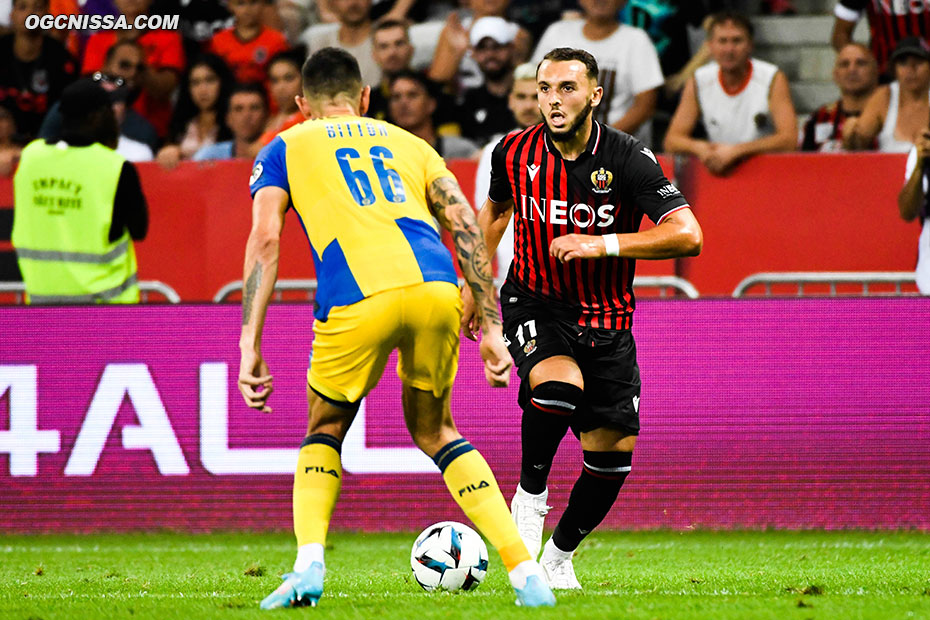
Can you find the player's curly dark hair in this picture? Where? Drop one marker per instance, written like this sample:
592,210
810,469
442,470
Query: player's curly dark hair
562,54
330,72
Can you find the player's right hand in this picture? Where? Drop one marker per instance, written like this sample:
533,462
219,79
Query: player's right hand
497,360
471,317
255,383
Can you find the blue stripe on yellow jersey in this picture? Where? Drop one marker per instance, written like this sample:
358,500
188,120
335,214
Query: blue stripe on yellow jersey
359,186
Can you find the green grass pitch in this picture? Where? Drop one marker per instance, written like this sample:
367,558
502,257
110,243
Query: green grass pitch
650,575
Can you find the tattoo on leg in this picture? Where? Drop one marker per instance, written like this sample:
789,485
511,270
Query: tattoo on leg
248,295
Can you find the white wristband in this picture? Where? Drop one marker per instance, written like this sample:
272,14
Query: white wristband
611,245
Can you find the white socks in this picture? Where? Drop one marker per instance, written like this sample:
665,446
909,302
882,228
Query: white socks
307,555
524,570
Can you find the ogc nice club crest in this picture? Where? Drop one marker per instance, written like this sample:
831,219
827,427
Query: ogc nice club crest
601,179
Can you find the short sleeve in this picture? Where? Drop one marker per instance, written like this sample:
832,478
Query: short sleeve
849,10
167,51
650,189
435,166
270,167
500,189
645,68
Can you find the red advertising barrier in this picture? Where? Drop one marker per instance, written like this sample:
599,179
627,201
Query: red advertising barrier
797,212
780,413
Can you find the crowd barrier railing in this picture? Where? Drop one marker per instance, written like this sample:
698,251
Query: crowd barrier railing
146,288
833,280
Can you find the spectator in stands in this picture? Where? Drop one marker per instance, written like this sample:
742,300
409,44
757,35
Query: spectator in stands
200,115
249,44
124,63
34,69
856,74
392,52
485,109
451,62
199,21
525,109
668,25
248,111
630,73
9,148
912,202
412,106
353,34
889,23
83,253
744,102
164,62
284,83
896,114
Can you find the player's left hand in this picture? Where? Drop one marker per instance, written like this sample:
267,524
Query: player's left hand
574,245
497,360
255,382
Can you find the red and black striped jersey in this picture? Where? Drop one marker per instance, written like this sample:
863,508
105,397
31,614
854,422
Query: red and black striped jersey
607,189
823,130
889,22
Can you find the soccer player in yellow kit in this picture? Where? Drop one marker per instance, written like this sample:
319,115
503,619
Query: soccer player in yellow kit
366,193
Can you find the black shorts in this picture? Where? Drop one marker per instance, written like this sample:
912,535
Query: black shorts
536,330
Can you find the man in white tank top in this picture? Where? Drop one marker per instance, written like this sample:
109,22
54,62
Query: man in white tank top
744,103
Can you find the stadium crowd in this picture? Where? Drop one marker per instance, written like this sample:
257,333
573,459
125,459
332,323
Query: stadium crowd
445,71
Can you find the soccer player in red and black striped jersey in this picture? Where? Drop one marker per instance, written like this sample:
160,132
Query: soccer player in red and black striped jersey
578,190
889,22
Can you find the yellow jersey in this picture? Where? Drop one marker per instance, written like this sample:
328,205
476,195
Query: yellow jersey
359,186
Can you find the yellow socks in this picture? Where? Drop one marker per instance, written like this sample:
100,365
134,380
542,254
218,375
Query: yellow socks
316,487
473,486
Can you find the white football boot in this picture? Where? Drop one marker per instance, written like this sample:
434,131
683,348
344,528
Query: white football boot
557,566
529,513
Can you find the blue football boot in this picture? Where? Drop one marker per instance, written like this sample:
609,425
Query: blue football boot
298,589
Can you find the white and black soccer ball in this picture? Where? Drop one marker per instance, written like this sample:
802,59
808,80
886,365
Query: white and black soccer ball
449,556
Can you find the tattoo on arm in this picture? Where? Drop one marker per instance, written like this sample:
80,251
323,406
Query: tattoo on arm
452,210
248,295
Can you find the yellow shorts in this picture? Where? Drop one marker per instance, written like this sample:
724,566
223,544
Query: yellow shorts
351,349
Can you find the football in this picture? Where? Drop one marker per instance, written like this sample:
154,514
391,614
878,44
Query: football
449,556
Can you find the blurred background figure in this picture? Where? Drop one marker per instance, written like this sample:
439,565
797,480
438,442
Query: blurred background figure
912,203
484,108
246,117
896,114
199,21
77,207
121,70
889,23
284,86
34,69
630,73
412,106
162,70
744,103
200,116
525,110
392,52
352,33
9,148
855,72
249,44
